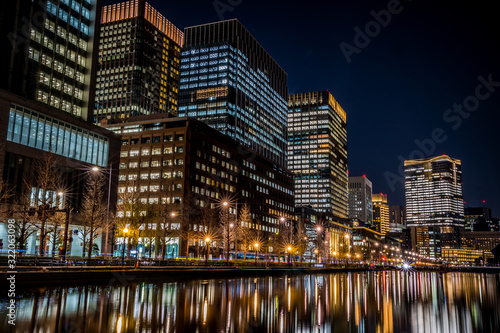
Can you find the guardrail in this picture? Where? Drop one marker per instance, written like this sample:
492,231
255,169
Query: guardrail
25,261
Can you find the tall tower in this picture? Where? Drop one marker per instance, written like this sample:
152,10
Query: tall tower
139,59
360,199
48,52
317,152
380,212
229,81
434,203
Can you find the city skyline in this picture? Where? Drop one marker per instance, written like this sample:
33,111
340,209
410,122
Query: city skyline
399,86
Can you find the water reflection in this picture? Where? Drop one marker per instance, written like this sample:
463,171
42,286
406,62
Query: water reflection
341,302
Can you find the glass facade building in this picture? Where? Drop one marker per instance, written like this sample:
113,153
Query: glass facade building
317,152
37,130
139,58
47,93
230,82
360,199
434,203
49,53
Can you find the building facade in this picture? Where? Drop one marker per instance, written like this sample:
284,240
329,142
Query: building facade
478,219
48,64
48,52
434,203
397,218
481,240
139,59
360,199
380,213
183,161
317,152
229,81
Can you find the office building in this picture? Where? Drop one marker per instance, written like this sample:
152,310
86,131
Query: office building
434,203
380,213
478,219
317,152
48,64
139,59
48,53
481,240
180,160
397,218
360,199
229,81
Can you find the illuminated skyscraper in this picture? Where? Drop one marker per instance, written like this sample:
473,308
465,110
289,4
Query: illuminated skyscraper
229,81
360,199
434,203
139,57
317,152
48,52
380,212
48,64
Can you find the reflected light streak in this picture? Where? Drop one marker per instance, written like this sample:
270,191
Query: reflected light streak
119,325
454,302
205,311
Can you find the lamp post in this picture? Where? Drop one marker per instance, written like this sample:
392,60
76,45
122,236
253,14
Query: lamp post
256,251
66,228
316,253
318,241
207,242
289,255
225,204
125,231
164,246
96,169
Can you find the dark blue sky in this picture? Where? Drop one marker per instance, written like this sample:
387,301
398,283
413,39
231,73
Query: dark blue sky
397,87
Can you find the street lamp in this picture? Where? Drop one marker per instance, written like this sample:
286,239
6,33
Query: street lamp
125,231
256,251
316,252
95,169
225,204
289,254
207,241
66,227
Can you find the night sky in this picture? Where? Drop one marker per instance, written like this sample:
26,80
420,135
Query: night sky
398,84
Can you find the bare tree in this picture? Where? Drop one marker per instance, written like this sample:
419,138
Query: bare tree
208,225
54,231
26,225
301,241
93,211
245,234
135,214
25,221
167,214
187,216
46,185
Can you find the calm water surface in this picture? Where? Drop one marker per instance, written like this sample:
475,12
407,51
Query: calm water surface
340,302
